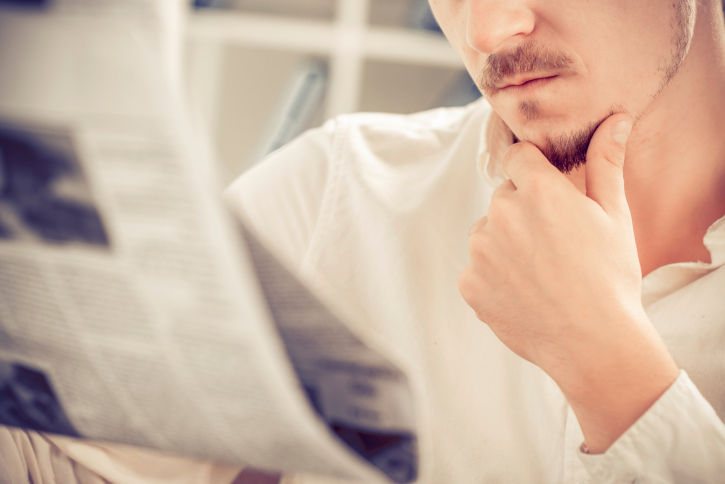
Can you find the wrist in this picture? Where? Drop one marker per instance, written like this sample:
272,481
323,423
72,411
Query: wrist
612,378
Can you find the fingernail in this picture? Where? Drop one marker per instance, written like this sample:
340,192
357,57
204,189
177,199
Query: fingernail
621,130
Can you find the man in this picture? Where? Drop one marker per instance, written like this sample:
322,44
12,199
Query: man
619,174
595,262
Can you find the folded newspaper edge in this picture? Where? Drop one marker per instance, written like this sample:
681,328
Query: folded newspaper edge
362,397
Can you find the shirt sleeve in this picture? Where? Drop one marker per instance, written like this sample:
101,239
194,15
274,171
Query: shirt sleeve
679,439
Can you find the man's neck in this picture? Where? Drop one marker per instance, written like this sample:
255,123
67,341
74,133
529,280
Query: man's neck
675,167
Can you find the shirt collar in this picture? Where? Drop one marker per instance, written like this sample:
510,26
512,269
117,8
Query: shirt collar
495,139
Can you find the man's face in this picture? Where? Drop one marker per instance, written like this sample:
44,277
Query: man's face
583,60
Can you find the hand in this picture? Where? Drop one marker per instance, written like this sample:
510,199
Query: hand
556,275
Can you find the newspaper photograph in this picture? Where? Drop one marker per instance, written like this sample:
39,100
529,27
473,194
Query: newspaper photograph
45,194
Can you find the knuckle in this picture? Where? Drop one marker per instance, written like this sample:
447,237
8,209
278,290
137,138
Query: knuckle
495,198
477,247
541,186
472,244
482,316
466,283
469,286
478,226
505,188
502,216
473,239
496,212
614,154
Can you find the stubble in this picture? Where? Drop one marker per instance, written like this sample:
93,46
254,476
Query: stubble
568,152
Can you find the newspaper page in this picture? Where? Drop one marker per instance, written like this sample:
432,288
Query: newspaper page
129,306
364,398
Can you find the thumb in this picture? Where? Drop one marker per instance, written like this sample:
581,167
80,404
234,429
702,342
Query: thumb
605,163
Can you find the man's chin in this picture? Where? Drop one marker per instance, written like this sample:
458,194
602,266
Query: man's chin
566,150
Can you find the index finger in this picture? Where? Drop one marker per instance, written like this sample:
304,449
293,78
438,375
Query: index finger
524,162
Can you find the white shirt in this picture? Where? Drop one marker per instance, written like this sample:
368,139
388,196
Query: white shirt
376,210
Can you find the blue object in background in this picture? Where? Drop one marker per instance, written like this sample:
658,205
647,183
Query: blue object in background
26,3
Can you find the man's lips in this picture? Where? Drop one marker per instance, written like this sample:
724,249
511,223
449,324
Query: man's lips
526,84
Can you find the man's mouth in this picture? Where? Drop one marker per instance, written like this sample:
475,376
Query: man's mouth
525,84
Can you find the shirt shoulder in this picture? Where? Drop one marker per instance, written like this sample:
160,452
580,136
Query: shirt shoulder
282,197
397,139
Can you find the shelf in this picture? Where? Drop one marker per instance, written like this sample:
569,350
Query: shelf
409,46
405,89
322,38
243,120
239,64
313,9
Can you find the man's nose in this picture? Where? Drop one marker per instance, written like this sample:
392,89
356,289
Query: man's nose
492,25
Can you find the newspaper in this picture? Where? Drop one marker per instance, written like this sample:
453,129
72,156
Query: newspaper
133,308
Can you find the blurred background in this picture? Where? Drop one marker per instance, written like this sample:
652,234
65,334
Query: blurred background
257,73
260,72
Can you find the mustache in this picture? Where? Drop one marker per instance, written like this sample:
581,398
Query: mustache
523,59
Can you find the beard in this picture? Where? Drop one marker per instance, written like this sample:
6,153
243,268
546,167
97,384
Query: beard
568,151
